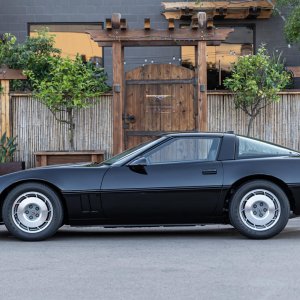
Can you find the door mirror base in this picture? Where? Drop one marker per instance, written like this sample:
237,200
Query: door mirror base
138,165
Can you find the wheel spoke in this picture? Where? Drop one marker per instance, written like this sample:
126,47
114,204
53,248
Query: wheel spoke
259,209
32,212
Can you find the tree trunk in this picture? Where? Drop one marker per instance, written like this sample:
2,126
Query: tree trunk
71,129
252,117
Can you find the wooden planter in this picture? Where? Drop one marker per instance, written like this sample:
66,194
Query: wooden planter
46,158
10,167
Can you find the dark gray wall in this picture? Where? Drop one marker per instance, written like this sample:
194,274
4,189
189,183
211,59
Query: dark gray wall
16,14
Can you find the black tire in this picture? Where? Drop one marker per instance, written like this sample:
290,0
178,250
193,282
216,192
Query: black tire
32,212
259,209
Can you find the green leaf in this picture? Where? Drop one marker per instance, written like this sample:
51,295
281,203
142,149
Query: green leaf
8,146
256,80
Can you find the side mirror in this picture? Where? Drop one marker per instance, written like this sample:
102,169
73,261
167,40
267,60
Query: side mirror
139,162
138,165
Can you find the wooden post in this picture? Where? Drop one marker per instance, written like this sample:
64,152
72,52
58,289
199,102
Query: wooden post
118,94
6,75
5,107
202,85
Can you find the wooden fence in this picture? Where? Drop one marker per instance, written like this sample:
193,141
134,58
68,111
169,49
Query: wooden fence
37,130
279,123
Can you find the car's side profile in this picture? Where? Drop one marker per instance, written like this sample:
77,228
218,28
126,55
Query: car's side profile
179,179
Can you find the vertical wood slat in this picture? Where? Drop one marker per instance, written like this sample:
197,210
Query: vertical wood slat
37,129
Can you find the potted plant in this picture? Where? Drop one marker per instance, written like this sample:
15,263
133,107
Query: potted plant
8,147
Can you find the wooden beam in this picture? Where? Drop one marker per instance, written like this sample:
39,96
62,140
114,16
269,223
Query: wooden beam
202,86
228,14
194,24
123,24
210,24
116,20
118,94
265,14
176,6
159,43
108,24
202,20
9,74
147,24
260,9
171,24
221,11
176,15
295,70
5,108
163,37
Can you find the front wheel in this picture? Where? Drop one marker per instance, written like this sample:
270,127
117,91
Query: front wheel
32,212
259,209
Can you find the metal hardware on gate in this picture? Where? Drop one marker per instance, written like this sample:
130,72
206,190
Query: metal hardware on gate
202,88
129,118
160,81
117,88
158,97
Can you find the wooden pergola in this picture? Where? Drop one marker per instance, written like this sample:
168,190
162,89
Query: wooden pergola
117,35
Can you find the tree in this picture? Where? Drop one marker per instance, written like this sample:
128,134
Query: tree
31,55
7,44
255,82
62,84
69,85
292,22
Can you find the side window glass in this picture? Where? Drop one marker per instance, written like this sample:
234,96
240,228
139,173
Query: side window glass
249,148
185,150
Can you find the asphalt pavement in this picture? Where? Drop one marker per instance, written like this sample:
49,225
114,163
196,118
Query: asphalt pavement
210,262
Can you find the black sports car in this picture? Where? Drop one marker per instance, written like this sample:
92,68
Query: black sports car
179,179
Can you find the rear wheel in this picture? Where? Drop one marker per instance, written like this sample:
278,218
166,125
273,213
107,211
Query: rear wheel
32,212
259,209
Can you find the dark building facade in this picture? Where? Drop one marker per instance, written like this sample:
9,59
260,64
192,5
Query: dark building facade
66,17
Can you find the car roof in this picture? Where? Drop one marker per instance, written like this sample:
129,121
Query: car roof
197,134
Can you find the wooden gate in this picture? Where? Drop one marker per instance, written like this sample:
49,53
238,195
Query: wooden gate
159,98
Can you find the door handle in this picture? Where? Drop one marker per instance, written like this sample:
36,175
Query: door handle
209,172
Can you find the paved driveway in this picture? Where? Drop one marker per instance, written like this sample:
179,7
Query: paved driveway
211,262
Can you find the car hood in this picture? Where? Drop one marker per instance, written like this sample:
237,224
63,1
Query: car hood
70,165
69,177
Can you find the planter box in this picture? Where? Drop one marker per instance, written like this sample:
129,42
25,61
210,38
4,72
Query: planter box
47,158
10,167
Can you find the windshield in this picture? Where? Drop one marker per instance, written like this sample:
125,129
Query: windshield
127,152
255,148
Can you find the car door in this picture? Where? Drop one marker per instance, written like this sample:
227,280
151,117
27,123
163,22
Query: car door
180,179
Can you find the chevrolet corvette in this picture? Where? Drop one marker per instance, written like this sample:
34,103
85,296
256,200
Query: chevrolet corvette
178,179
